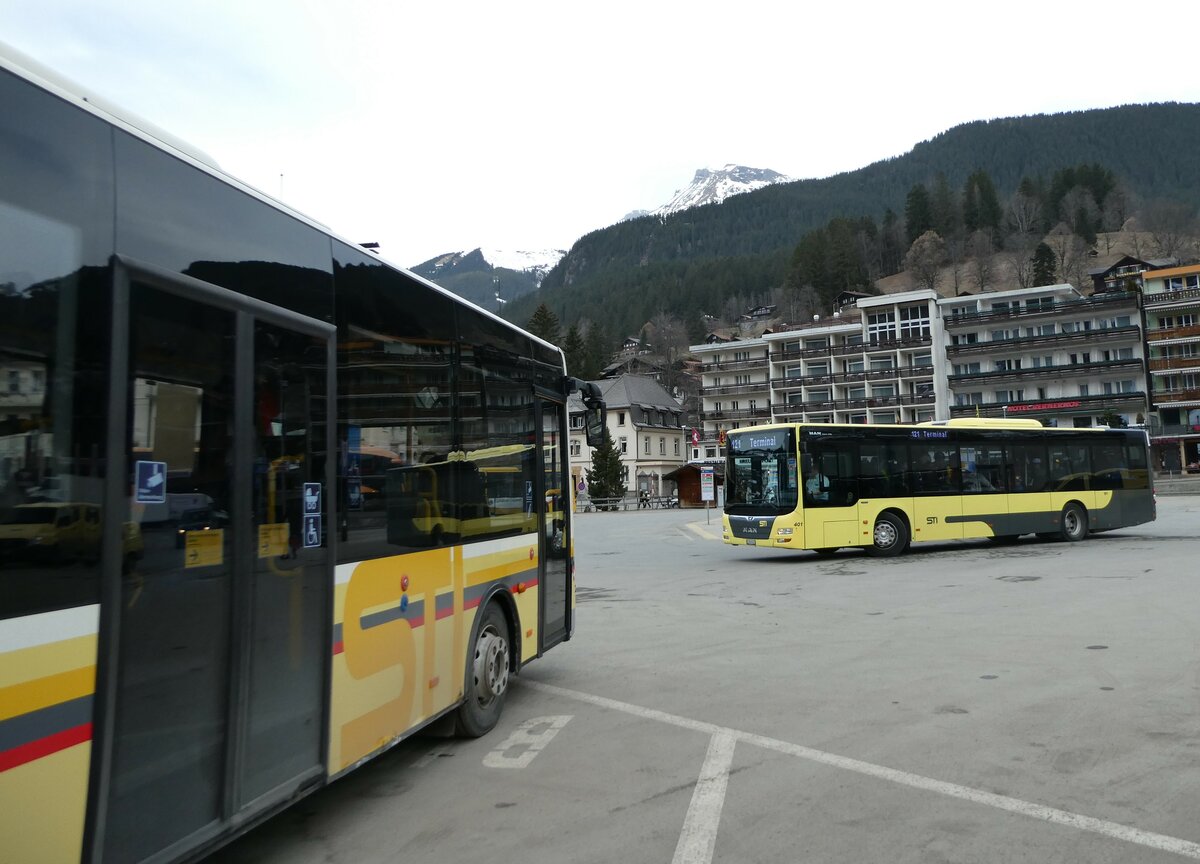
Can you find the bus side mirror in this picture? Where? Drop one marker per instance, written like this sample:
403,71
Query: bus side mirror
594,425
594,416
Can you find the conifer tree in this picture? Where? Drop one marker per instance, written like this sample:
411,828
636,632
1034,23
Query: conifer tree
1045,264
573,347
544,323
596,352
604,477
918,215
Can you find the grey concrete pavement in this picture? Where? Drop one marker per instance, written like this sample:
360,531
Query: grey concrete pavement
964,702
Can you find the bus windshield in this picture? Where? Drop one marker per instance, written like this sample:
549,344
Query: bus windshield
760,472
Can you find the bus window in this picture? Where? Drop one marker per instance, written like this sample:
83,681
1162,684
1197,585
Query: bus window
1138,475
982,468
1107,460
1069,466
1027,467
761,472
883,470
935,466
832,476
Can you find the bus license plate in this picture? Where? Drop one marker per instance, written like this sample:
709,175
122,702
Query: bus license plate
751,542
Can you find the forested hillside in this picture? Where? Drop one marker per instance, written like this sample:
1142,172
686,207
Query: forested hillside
769,240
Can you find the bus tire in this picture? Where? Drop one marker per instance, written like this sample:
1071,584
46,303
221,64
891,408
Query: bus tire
486,684
1074,523
890,536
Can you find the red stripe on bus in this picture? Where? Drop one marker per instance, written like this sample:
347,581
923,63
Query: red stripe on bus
339,647
45,746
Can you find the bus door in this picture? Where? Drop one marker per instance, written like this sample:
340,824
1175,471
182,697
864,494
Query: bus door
216,616
555,578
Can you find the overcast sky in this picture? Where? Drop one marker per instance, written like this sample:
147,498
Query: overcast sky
433,127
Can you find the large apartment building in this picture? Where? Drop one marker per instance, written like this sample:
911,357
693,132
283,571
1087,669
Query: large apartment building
1171,299
1047,352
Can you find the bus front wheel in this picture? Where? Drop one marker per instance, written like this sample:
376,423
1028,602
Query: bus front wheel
487,676
1074,523
890,536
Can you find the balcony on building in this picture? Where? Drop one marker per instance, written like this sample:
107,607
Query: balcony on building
1134,400
1095,335
1096,304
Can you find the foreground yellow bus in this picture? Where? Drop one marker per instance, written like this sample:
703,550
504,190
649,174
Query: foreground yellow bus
209,606
828,486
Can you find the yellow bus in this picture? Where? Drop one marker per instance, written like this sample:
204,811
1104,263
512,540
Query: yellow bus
829,486
205,613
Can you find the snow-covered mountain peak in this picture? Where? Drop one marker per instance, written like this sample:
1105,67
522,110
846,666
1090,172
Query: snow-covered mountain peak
714,185
540,261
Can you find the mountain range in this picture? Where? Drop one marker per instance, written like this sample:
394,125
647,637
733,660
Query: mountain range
712,186
492,278
698,259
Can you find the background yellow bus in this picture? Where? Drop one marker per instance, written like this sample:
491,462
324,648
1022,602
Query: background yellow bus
827,486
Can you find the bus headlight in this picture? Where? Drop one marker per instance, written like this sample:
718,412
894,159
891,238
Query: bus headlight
785,531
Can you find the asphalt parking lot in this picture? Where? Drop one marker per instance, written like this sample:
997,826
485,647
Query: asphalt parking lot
963,702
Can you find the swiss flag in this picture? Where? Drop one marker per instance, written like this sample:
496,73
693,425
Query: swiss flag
695,437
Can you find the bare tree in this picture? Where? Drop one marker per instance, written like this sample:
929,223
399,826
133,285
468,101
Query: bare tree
1018,252
1069,249
956,261
1118,207
979,248
1022,213
924,259
1172,226
670,343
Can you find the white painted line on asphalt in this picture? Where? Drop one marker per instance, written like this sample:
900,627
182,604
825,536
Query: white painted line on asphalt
526,742
699,835
1115,830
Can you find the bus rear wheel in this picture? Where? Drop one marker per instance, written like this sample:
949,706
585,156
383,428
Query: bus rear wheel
487,676
1074,523
890,536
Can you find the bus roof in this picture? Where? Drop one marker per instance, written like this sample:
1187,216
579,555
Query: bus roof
987,423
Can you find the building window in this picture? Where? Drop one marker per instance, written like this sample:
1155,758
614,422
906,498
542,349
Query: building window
576,450
676,446
914,322
620,418
662,446
646,446
39,381
881,327
624,445
14,381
